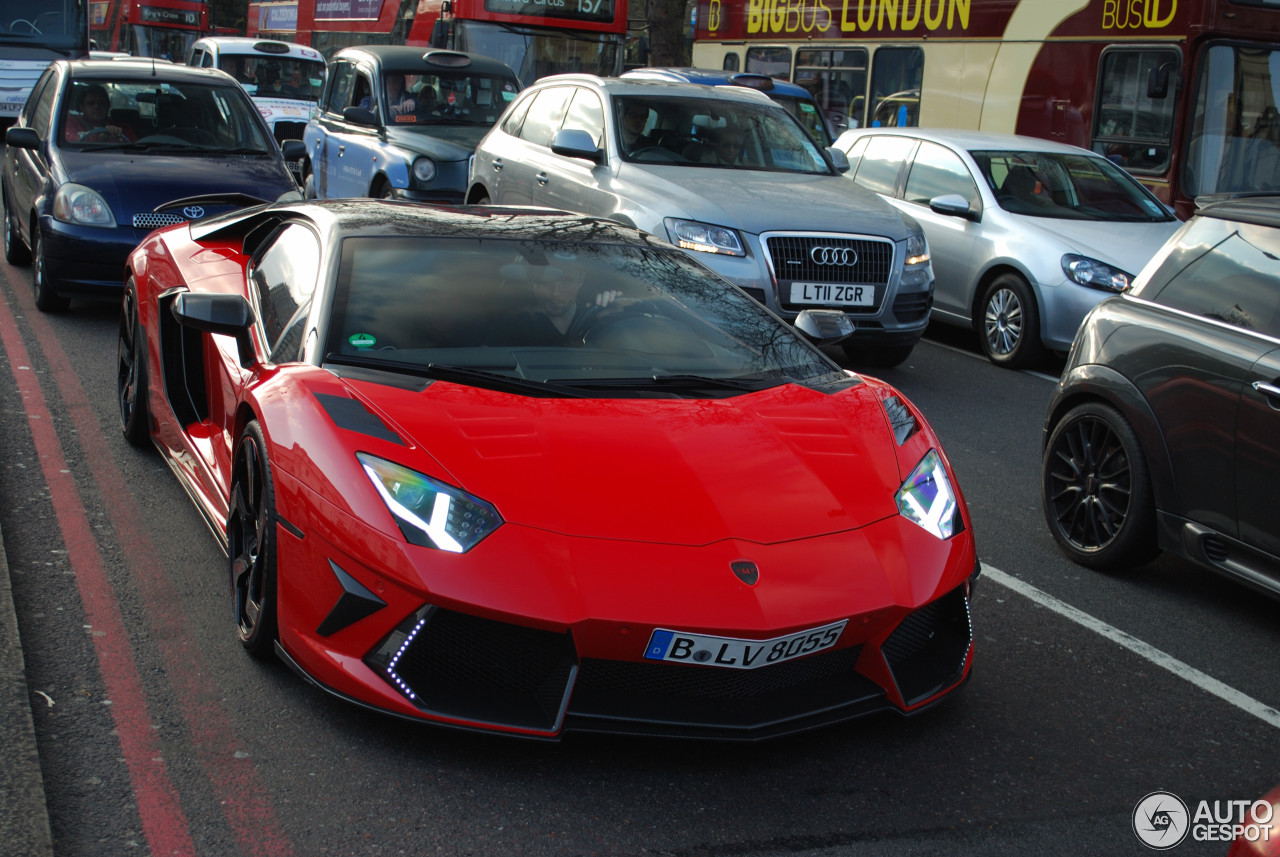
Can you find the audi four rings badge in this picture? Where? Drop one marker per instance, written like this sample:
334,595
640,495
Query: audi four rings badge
845,256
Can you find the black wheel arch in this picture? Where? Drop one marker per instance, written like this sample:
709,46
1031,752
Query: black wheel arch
1097,383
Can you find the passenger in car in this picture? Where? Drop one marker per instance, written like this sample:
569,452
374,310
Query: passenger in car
558,314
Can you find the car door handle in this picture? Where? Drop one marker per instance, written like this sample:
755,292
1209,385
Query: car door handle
497,165
341,149
541,178
1267,389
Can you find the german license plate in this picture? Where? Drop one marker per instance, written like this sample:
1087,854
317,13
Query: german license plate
831,294
738,654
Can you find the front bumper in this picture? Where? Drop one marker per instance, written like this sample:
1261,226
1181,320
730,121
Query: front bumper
512,643
85,261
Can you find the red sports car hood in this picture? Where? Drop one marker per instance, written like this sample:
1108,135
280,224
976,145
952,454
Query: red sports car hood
786,463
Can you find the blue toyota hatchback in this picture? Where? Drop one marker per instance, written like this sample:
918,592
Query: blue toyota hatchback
105,151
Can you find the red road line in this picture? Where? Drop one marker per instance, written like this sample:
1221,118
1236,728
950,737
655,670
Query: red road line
246,803
163,822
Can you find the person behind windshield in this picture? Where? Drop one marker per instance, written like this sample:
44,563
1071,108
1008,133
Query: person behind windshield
635,114
91,124
398,100
726,146
558,316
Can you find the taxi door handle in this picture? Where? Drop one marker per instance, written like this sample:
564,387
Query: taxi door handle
497,165
341,149
541,178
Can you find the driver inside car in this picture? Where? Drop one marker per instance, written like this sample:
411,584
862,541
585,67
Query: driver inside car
91,124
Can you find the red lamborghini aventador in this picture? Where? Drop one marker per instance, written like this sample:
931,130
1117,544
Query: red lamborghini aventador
531,472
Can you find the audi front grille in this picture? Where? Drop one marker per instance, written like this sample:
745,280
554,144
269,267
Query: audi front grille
831,260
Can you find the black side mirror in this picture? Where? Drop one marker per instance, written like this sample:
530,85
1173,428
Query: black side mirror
229,315
360,116
22,138
1158,81
824,326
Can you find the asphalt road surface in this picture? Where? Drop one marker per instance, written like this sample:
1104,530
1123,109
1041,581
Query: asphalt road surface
158,735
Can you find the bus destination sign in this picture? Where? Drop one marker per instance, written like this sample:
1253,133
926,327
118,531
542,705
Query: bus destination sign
581,10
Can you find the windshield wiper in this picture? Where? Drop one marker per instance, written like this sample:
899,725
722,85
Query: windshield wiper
243,150
456,374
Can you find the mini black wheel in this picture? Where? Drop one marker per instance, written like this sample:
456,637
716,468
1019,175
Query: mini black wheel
1096,490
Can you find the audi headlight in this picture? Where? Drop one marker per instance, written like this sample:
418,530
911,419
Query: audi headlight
430,513
703,237
424,170
1095,274
84,206
927,499
917,250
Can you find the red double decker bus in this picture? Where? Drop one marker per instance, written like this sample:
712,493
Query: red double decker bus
535,37
148,28
1183,93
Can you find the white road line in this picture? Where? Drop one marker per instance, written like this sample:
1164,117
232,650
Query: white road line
1144,650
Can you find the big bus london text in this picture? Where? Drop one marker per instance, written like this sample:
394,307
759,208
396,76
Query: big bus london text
1179,91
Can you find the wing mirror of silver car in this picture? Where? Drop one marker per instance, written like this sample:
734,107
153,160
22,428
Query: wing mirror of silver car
824,326
953,204
576,143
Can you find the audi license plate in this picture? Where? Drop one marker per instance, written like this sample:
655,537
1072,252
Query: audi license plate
830,294
737,654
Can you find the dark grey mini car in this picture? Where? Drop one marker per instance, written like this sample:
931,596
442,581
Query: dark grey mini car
1164,431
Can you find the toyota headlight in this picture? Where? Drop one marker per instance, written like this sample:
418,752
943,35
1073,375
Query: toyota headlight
703,237
1095,274
84,206
927,499
430,513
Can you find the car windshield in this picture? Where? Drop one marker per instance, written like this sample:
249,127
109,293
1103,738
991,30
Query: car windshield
558,315
447,97
707,132
276,76
149,114
1067,186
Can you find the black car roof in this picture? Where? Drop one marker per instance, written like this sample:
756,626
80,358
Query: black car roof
412,59
1262,209
367,217
145,69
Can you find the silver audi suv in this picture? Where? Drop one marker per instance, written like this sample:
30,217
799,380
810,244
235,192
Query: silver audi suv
732,178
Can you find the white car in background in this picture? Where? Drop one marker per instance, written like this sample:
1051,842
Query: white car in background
283,78
1027,234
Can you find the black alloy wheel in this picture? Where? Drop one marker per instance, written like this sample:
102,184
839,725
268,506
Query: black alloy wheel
47,300
1009,328
1096,490
251,546
131,370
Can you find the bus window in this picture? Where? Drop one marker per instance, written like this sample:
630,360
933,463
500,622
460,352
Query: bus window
896,76
773,61
1234,142
1133,124
730,62
838,81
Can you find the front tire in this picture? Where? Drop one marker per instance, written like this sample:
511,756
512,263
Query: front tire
1096,490
47,300
251,544
1010,323
15,252
131,371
